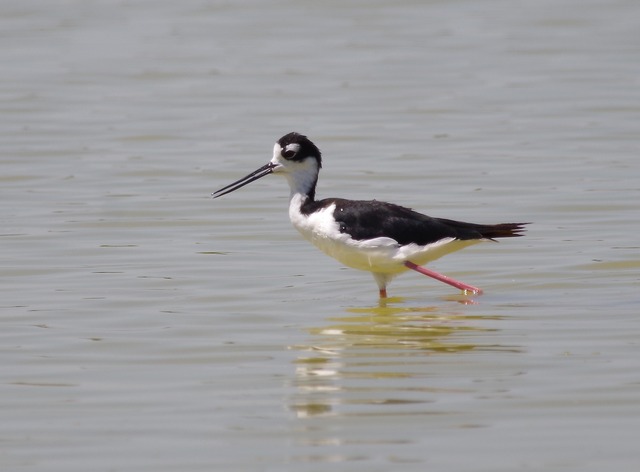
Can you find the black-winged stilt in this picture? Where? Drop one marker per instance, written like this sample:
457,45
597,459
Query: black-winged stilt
379,237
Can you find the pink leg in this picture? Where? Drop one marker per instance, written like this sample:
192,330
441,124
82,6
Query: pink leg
442,278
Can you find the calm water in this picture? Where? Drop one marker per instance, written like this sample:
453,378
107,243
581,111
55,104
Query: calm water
147,327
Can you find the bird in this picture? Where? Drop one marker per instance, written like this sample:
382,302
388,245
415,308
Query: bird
375,236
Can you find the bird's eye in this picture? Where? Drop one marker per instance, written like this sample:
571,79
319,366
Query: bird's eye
288,154
290,150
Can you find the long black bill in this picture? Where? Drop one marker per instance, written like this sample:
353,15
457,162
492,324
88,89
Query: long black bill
247,179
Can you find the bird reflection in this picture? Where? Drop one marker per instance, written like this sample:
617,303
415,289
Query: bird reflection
383,355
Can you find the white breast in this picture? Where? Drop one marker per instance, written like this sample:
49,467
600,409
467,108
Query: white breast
318,228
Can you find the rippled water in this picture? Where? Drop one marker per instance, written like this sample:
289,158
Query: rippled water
148,327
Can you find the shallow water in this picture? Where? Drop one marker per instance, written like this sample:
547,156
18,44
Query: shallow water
149,327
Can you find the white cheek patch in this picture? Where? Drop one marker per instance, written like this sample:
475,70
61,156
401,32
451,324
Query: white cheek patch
277,157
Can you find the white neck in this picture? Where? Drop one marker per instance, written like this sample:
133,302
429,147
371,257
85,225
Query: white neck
302,183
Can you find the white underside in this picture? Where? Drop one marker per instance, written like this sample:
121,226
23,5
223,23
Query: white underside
383,256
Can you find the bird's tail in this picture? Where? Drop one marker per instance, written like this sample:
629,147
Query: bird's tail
502,230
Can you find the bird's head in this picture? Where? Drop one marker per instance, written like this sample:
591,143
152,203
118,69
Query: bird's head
295,157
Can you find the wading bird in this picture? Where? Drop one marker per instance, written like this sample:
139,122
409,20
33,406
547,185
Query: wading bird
379,237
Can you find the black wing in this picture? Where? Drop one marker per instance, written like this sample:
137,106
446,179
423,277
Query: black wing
373,219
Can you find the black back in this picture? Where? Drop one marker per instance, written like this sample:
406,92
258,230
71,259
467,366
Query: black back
373,219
